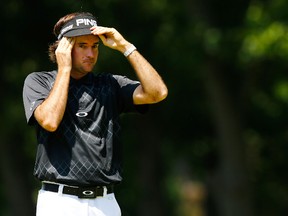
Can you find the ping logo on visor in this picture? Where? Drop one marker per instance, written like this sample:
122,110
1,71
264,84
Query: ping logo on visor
79,25
86,22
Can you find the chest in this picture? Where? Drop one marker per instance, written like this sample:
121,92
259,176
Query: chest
91,101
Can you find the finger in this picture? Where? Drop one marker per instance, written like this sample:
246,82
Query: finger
72,41
98,30
103,38
63,42
66,42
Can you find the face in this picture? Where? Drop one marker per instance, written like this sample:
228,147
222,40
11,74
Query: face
84,55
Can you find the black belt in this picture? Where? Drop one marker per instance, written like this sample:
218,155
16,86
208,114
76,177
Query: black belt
81,192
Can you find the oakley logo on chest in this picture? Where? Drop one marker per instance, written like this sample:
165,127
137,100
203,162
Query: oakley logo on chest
81,114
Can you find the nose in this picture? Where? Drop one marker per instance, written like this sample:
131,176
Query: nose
90,52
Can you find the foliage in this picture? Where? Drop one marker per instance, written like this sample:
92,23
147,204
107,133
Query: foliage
181,39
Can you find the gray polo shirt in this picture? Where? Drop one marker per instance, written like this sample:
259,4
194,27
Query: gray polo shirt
85,149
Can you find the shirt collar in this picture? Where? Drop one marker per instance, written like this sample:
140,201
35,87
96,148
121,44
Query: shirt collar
86,80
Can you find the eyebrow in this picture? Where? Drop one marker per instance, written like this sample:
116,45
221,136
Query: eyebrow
84,43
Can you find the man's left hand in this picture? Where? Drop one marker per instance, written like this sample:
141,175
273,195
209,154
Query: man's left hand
111,38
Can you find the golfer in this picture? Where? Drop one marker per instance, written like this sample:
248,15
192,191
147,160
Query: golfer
76,116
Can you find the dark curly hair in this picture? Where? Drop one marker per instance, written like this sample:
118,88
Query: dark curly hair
57,28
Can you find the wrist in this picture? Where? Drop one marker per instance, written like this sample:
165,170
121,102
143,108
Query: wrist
130,49
64,69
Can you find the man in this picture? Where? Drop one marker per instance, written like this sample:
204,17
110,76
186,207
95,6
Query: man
76,115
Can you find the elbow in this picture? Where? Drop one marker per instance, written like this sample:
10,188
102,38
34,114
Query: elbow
163,93
48,120
50,126
160,95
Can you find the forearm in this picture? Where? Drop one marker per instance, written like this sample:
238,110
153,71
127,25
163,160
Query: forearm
49,114
152,89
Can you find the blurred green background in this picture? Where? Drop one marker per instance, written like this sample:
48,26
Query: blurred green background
217,146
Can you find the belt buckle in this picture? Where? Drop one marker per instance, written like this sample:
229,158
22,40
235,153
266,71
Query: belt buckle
88,192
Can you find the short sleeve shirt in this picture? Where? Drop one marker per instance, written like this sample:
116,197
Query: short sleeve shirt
85,149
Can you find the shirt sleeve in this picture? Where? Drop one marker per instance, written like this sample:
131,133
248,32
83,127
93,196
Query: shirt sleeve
35,91
126,90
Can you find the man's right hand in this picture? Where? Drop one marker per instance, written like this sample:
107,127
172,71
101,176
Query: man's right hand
63,53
